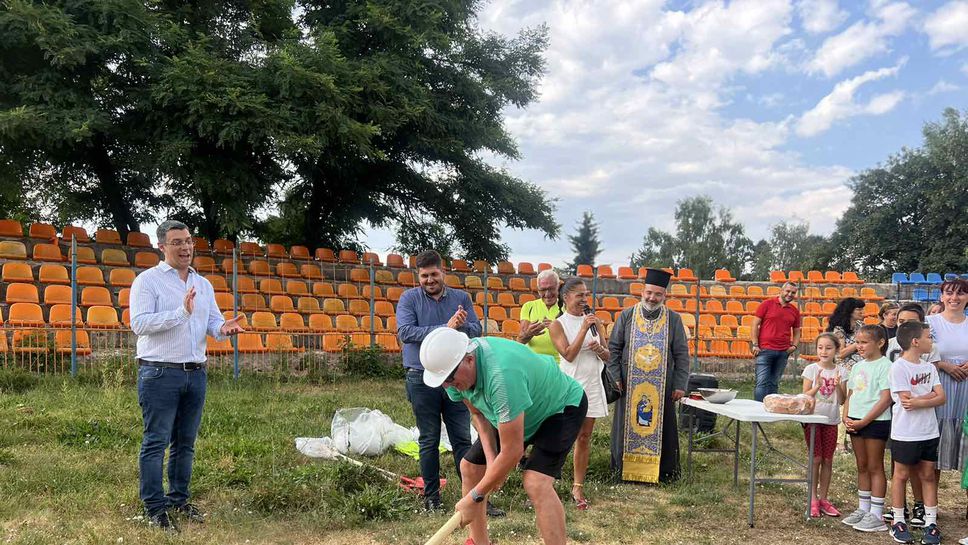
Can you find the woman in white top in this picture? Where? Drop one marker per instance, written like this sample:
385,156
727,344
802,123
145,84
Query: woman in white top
950,330
580,339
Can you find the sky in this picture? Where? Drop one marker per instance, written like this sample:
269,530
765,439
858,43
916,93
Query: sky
767,106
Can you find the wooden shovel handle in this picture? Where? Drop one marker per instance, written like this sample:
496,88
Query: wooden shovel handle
448,528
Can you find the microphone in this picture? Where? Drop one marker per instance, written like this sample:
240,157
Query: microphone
588,310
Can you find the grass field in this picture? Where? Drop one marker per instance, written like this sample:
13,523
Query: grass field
68,474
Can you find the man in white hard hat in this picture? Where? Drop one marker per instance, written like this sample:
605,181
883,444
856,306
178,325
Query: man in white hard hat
516,398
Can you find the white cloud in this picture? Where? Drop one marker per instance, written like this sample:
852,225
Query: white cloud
863,39
840,103
947,27
942,87
819,16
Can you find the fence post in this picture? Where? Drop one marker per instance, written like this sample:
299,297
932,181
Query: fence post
235,312
484,318
594,287
73,305
372,284
695,355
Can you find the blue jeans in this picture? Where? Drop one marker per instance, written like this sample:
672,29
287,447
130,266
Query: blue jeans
429,405
769,369
171,404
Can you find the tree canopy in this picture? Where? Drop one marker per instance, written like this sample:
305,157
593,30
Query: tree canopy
296,121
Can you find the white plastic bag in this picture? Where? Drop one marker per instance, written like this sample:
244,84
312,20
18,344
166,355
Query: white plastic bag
362,431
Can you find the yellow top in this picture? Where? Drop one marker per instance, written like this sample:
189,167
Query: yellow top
536,311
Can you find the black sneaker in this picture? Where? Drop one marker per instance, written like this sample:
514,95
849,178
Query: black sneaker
901,534
888,516
917,516
432,504
163,522
932,535
495,512
190,512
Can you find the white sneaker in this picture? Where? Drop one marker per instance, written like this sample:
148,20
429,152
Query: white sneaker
870,523
963,541
856,516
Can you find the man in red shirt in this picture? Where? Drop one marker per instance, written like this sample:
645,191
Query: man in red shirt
776,334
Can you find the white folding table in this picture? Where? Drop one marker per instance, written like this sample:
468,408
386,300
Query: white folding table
747,410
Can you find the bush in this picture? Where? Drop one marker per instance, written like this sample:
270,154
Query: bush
368,362
16,381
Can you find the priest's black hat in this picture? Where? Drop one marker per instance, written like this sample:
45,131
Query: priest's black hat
658,277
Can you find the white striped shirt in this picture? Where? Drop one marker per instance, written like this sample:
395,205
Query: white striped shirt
165,330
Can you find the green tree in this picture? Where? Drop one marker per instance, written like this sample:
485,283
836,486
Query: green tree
909,214
791,247
706,238
585,242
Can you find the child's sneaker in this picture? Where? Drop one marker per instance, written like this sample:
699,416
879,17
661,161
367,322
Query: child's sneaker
917,516
814,508
901,534
854,517
828,508
932,535
888,517
870,523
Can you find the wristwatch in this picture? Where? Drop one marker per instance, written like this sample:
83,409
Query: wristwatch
476,496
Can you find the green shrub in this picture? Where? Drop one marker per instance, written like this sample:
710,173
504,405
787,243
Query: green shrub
16,381
368,362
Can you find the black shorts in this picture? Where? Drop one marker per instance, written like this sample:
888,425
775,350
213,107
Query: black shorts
550,445
910,453
878,429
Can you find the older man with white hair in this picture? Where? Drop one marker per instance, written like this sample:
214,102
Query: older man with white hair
650,365
538,314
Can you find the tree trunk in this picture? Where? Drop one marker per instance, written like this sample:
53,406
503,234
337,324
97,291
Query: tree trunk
120,210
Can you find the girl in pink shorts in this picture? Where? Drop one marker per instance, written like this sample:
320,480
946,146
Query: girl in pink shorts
826,382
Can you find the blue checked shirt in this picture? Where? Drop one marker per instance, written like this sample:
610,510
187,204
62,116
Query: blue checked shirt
165,330
418,314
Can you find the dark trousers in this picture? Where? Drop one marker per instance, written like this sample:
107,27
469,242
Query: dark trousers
429,405
769,369
171,404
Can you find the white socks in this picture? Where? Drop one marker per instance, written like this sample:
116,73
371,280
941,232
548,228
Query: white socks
877,507
898,514
930,515
864,497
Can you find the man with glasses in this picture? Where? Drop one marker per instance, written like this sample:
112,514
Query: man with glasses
538,314
517,398
172,310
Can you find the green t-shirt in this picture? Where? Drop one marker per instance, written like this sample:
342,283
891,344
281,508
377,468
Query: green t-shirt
866,382
536,311
511,379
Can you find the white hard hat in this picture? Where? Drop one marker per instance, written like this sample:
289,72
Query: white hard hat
441,351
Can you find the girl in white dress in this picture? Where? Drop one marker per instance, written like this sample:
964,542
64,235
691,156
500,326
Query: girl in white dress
580,339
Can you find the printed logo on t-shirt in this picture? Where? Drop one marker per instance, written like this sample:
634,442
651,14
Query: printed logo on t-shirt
861,380
827,386
921,378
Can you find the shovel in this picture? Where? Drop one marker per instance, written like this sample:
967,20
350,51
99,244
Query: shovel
448,528
327,452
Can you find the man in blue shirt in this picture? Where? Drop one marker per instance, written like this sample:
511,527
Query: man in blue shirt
421,310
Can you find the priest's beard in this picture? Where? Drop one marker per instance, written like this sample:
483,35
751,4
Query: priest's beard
652,310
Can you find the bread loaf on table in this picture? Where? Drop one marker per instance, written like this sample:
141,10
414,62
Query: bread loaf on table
788,404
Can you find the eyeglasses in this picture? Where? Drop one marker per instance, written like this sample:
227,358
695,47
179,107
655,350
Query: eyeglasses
450,377
179,243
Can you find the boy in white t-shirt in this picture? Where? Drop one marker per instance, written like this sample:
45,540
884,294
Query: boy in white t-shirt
916,391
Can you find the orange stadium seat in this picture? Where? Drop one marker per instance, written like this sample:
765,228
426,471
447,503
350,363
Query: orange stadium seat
751,307
138,240
626,273
11,228
23,293
831,293
605,271
96,295
263,321
326,255
250,343
114,258
310,272
296,288
333,306
124,297
849,292
511,328
674,305
735,307
375,325
495,283
714,307
395,261
204,264
25,315
811,292
219,284
349,256
17,272
754,292
121,277
723,275
276,251
308,305
544,267
361,276
320,323
81,346
253,301
280,342
459,265
370,258
48,252
737,292
103,317
479,298
287,270
201,244
868,294
394,293
526,297
52,294
796,276
505,268
359,307
383,276
871,309
452,281
300,253
778,277
376,293
215,347
43,231
270,286
107,236
281,303
348,291
850,277
90,276
833,277
258,267
323,289
686,275
85,255
53,274
222,246
815,277
12,249
584,271
610,303
347,323
407,279
60,316
251,249
517,284
506,300
526,268
718,292
482,266
635,288
496,313
145,260
729,320
473,282
244,284
126,317
73,232
31,341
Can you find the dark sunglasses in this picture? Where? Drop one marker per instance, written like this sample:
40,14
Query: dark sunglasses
450,377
